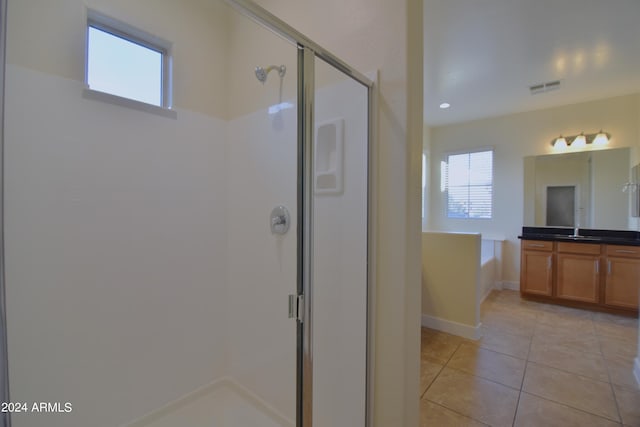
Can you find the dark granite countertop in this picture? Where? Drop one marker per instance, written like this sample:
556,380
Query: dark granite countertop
585,235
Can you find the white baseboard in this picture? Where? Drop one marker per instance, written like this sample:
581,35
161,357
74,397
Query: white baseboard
454,328
487,291
505,284
636,370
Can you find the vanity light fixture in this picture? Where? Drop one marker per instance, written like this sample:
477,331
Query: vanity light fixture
559,143
601,138
580,141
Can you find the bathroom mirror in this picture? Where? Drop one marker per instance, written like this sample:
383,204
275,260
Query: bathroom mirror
595,180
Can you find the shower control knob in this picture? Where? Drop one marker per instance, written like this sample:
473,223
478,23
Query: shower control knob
280,220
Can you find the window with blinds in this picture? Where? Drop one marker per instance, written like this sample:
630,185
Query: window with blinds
467,179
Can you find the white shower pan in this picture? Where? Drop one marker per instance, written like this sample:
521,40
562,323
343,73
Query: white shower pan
224,403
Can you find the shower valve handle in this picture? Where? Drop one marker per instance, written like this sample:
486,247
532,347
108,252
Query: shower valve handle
280,220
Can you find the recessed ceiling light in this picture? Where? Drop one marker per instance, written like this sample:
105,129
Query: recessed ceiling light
445,105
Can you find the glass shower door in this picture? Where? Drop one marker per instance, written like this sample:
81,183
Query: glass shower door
262,218
340,245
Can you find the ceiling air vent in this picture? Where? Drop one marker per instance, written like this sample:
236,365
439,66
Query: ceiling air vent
544,87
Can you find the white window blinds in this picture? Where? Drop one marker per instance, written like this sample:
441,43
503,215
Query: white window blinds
469,184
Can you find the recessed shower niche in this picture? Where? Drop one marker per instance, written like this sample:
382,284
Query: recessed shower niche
328,157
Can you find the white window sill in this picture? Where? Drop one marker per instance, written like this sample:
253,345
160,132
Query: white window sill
96,95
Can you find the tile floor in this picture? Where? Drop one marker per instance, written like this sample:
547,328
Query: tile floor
536,365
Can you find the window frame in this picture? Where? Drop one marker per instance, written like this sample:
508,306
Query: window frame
445,192
99,21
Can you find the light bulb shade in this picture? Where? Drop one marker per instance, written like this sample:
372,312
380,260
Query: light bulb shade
559,143
601,139
580,141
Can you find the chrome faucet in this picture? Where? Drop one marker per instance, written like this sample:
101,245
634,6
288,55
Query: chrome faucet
576,232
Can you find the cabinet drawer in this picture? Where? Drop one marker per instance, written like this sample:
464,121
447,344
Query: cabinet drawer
537,245
623,251
579,248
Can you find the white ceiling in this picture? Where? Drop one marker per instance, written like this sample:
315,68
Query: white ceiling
481,56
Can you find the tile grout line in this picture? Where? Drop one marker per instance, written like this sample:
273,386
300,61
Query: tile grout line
431,383
483,378
441,369
524,374
542,364
613,391
457,413
571,407
615,400
606,365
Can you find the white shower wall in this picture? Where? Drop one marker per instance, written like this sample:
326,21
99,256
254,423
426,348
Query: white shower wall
115,253
116,228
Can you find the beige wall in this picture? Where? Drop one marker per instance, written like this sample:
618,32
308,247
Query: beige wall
51,35
514,137
385,36
451,281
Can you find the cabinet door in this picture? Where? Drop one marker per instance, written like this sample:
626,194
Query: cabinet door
622,282
536,277
578,277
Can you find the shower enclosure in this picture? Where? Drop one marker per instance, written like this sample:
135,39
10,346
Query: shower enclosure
208,267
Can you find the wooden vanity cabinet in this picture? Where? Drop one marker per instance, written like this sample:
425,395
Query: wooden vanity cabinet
536,269
589,275
622,276
578,272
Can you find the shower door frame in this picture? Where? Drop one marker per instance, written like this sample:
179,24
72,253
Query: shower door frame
308,50
5,417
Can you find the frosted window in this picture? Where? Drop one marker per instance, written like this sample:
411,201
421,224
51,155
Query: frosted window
124,68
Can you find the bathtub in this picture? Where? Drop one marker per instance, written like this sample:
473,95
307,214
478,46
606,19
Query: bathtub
488,267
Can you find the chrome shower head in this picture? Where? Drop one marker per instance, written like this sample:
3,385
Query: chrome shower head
261,73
